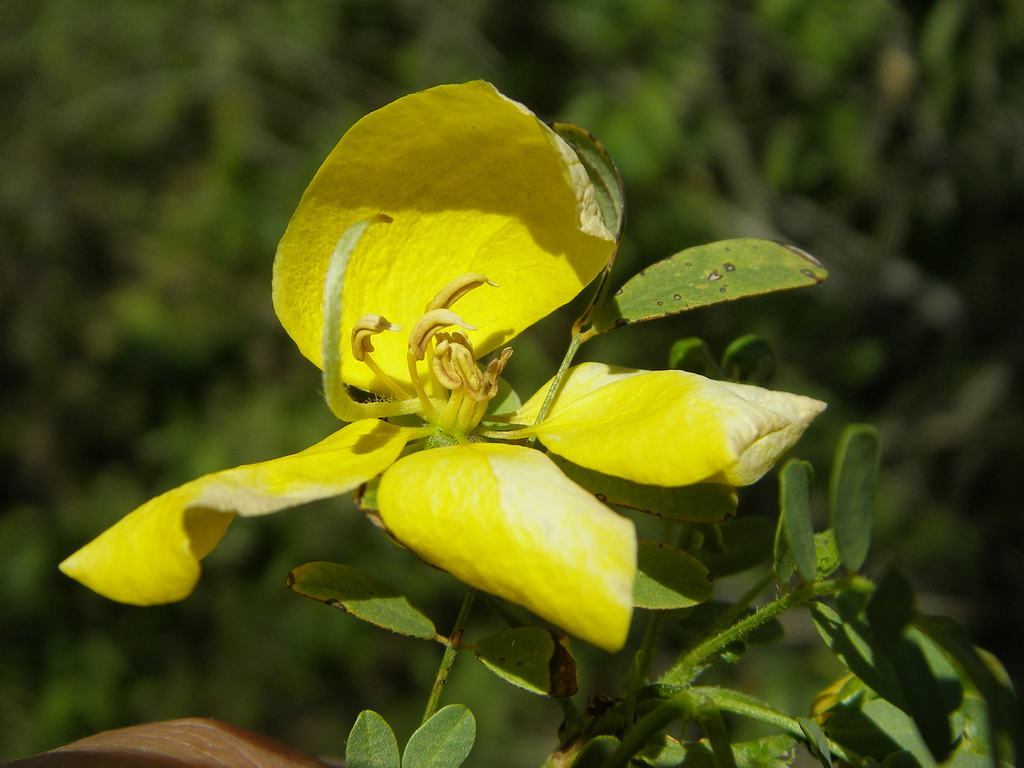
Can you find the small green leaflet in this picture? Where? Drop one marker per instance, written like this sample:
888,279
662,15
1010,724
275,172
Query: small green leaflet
534,659
669,578
852,493
769,752
816,741
708,274
602,172
444,741
364,596
795,520
371,743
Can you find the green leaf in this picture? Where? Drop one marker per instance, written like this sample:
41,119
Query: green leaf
795,502
749,359
1006,718
371,743
816,741
669,578
694,355
535,659
602,172
826,552
746,541
444,741
875,728
596,752
784,565
850,641
890,608
364,596
852,493
708,274
924,699
770,752
906,668
700,503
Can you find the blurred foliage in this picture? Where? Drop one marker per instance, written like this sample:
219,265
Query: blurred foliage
151,154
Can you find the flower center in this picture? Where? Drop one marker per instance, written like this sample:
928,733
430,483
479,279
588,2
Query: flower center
453,389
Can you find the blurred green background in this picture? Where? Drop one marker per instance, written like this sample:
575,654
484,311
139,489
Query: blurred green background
151,154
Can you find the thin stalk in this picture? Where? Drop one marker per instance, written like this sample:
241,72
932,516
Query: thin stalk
448,659
556,383
749,707
736,610
603,287
688,666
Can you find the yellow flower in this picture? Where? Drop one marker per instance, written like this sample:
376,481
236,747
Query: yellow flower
462,220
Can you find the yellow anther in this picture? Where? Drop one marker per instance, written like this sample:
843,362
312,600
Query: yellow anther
456,289
489,386
429,324
441,364
365,329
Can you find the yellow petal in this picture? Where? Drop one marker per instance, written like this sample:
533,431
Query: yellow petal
474,183
668,428
505,519
152,555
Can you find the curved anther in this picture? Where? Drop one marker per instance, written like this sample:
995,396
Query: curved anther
429,324
441,364
456,289
489,387
365,329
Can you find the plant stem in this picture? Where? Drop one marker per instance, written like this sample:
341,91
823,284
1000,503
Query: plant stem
689,665
600,294
556,383
736,610
748,706
449,655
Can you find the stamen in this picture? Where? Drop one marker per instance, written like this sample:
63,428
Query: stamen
441,365
479,411
465,367
467,408
429,324
363,331
426,406
456,289
494,369
449,421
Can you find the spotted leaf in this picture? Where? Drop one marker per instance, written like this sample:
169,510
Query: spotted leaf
708,274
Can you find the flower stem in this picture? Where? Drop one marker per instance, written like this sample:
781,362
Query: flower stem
448,659
556,383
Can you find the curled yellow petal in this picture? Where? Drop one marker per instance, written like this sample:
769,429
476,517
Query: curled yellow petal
474,183
152,555
505,519
668,428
